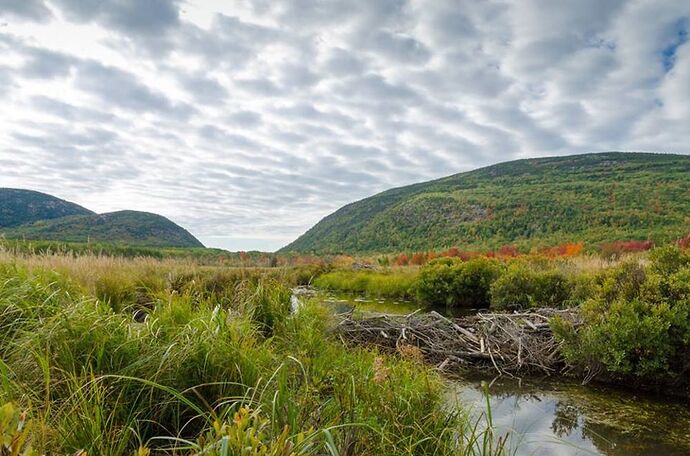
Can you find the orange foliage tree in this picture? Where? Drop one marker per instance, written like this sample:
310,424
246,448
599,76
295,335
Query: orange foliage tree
402,260
418,259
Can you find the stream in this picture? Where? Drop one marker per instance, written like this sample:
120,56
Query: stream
557,416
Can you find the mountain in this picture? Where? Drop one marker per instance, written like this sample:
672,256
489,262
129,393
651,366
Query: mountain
123,227
18,207
32,215
527,203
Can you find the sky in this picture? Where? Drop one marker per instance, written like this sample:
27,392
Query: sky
247,121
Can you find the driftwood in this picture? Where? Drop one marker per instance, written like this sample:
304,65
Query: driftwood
508,343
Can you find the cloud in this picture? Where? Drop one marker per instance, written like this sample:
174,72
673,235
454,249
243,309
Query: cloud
248,122
45,64
147,17
25,9
118,88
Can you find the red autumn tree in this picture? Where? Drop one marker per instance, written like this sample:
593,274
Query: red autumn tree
418,259
402,260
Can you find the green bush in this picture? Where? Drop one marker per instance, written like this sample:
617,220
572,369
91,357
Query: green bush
516,289
521,287
637,325
454,283
622,282
628,338
669,259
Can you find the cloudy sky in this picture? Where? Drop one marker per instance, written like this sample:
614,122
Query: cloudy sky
247,121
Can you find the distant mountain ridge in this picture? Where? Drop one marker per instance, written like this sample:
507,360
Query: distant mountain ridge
542,201
19,207
33,215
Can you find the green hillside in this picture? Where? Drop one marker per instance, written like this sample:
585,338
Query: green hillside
18,207
533,202
124,227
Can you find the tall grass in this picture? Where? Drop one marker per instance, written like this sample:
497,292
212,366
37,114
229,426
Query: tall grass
398,284
210,362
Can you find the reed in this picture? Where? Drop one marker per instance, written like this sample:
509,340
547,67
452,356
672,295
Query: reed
210,362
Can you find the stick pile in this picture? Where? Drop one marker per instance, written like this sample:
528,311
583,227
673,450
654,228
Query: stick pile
506,342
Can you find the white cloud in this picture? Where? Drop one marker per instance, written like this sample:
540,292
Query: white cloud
249,123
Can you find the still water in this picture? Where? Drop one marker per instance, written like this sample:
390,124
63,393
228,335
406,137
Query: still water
562,417
343,302
557,417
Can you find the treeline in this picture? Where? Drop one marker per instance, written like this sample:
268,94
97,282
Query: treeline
607,250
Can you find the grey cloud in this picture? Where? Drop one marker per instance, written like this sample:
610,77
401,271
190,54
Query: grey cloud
290,137
230,42
340,62
148,17
399,47
45,64
220,136
373,87
259,86
305,111
244,119
25,9
6,80
298,76
70,112
204,89
116,87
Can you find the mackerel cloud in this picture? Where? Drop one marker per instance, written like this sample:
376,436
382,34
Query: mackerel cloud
248,121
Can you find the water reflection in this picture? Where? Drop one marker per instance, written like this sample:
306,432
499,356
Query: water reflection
343,302
564,418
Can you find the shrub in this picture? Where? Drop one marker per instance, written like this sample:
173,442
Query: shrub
514,290
435,282
627,338
637,324
669,259
622,282
454,283
521,287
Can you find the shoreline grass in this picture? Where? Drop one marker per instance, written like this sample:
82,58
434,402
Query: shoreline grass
216,365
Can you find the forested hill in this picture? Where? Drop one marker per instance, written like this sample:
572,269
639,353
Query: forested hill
26,214
533,202
124,227
18,207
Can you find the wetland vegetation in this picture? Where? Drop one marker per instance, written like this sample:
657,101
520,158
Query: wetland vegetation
113,355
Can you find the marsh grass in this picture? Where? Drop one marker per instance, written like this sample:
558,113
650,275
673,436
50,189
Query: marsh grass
217,366
395,284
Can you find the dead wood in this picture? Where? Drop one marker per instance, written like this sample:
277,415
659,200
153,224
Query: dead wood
508,343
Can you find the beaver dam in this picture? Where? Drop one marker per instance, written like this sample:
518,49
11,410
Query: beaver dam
507,343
